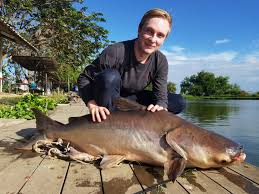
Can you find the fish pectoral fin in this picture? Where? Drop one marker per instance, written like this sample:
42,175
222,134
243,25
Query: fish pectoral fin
109,161
175,168
175,146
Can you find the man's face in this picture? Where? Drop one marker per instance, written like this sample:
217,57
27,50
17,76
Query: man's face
152,34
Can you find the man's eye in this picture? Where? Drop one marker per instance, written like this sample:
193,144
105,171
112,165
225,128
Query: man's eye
160,35
148,31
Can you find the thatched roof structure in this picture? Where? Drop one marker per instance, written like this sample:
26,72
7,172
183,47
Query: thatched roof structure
36,63
6,31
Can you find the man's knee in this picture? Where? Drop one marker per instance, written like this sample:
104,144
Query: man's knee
176,103
108,78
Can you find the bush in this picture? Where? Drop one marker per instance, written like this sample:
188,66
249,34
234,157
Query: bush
22,109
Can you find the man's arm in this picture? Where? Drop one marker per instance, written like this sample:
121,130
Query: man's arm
160,87
85,81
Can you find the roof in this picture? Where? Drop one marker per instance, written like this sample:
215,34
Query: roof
8,32
36,63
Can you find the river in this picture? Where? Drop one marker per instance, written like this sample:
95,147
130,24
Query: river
235,119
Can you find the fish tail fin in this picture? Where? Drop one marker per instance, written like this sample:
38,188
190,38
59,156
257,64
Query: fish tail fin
46,124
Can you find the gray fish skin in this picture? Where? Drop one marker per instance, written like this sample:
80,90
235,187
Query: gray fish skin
160,138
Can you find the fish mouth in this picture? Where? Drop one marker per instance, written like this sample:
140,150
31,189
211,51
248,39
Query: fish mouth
240,157
237,154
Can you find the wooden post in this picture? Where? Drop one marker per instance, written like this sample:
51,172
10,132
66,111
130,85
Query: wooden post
1,64
68,84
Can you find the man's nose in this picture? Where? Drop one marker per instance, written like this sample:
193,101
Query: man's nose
153,38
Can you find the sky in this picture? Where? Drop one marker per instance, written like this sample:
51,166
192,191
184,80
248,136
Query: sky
219,36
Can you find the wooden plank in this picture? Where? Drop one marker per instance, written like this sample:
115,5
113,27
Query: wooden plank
195,182
4,123
15,175
10,138
19,131
48,178
82,178
6,159
232,181
63,112
247,170
120,180
7,152
151,177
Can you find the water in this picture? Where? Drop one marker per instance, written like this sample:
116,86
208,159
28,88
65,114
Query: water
235,119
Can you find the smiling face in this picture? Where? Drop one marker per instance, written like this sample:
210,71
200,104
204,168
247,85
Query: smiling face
152,35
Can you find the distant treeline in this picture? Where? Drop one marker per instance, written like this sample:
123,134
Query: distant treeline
207,85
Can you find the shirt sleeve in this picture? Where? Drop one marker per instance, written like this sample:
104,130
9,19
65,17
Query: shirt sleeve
160,83
107,59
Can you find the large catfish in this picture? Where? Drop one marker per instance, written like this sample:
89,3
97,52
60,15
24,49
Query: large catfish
134,134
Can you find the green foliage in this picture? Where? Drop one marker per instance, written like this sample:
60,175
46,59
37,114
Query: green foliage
171,87
22,109
59,98
149,87
58,29
207,84
9,100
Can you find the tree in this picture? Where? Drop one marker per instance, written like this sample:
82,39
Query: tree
207,84
171,87
59,30
234,90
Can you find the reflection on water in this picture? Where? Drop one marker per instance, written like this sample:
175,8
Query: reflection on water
209,112
236,119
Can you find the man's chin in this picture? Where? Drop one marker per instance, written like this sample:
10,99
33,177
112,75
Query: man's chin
149,51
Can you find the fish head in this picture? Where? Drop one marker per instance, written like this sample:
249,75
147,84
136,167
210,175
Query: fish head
206,149
214,150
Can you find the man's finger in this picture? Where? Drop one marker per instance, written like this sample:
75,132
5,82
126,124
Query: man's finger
93,114
107,111
97,114
160,108
102,112
150,107
154,108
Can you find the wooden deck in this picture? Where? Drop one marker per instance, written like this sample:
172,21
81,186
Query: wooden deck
30,173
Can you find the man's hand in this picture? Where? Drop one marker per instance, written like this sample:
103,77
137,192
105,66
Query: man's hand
98,113
154,108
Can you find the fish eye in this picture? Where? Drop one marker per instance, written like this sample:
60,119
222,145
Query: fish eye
223,161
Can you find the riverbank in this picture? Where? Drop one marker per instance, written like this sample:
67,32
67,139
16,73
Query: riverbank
189,97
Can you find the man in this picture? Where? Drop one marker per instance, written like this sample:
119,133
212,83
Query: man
126,68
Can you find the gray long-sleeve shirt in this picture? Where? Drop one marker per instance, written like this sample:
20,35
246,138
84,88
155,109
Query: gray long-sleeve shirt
134,75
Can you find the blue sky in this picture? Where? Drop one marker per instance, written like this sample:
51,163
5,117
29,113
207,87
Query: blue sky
217,36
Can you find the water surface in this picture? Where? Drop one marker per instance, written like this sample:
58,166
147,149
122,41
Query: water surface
235,119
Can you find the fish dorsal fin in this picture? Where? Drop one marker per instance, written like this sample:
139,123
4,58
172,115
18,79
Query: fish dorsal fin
125,104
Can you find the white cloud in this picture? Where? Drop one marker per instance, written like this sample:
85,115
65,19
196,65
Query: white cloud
241,69
177,49
222,41
252,58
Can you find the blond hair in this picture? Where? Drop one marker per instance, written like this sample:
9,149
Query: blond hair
156,12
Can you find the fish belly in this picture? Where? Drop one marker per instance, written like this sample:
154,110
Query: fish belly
135,145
